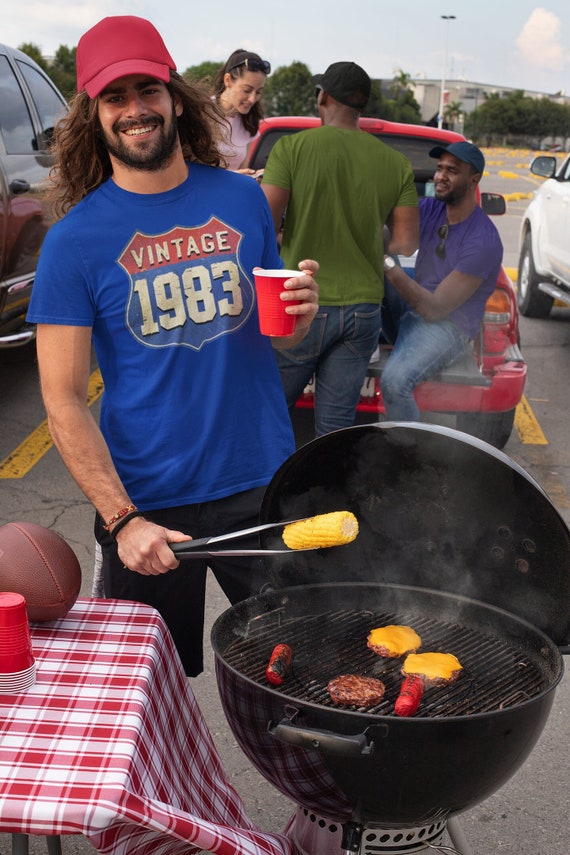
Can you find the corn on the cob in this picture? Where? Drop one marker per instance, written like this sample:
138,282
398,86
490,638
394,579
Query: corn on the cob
332,529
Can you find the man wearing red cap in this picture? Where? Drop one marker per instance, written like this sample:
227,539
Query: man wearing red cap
153,262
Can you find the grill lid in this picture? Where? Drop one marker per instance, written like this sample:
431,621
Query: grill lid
437,509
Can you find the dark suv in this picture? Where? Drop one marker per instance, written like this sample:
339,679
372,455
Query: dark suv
29,107
482,389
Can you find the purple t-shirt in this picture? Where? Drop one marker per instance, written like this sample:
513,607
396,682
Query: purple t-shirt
473,247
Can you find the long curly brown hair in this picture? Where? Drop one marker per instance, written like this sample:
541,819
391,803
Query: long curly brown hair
252,119
82,162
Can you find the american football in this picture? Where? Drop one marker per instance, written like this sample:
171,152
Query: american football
40,565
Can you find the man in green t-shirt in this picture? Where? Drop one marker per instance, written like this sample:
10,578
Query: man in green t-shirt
340,187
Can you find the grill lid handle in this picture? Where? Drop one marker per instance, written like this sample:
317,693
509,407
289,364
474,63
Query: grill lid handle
325,741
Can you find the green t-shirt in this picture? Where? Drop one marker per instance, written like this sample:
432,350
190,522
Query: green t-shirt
343,185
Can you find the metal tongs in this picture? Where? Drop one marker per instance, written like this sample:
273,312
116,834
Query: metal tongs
197,548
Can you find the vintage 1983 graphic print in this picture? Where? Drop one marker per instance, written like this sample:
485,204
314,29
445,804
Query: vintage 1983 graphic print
186,286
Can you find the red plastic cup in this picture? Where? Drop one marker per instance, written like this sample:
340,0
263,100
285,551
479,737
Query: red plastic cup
273,319
15,640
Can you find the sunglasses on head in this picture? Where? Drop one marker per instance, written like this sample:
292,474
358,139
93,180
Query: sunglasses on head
318,90
442,234
253,64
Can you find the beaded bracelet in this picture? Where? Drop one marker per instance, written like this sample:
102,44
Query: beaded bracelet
119,515
123,521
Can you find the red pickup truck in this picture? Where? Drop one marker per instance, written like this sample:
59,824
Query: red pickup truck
482,389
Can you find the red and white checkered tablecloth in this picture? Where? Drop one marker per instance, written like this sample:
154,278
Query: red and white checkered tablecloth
110,743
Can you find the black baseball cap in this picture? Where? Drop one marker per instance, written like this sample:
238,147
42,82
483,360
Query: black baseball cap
465,151
347,83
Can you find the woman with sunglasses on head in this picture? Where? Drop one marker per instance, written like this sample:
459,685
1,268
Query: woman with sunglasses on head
238,87
437,314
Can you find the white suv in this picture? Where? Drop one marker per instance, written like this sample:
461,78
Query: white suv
544,246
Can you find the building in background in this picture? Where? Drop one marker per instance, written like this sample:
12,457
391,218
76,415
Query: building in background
468,94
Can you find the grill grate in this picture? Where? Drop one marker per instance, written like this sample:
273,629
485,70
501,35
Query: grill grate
497,674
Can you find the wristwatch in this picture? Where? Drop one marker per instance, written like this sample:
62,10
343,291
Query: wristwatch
389,263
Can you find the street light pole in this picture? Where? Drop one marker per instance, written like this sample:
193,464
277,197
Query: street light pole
447,19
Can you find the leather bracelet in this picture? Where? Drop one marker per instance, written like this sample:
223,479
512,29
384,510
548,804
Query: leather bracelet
119,515
123,521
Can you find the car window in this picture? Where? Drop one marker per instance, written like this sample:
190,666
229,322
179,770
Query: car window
15,121
266,143
417,151
47,101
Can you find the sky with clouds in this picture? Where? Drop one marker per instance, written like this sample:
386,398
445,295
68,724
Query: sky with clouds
510,43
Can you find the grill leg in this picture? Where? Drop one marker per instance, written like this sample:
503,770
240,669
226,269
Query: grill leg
458,839
54,844
351,837
20,844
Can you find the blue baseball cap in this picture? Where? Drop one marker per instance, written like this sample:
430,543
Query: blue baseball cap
465,151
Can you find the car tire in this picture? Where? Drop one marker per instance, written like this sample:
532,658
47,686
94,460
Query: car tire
532,302
494,428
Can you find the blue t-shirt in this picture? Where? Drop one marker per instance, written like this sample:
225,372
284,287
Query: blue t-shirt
193,407
473,247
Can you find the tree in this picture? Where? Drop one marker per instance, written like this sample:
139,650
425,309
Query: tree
377,105
203,73
34,52
290,91
453,113
401,82
401,106
518,119
62,71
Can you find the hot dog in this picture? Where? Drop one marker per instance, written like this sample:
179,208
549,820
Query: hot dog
279,663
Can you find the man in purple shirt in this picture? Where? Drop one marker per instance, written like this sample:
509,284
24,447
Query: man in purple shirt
440,311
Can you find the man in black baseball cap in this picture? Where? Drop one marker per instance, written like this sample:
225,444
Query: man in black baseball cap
340,186
347,83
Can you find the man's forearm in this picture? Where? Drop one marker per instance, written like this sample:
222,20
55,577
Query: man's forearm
85,453
407,288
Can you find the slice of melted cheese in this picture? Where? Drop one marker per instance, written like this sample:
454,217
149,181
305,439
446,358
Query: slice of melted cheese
432,666
396,640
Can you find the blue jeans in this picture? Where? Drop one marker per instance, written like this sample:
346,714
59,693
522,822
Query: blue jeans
422,349
337,350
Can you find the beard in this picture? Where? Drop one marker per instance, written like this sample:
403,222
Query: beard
148,156
452,196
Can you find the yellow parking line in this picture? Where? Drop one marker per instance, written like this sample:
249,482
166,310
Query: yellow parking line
33,448
29,452
527,426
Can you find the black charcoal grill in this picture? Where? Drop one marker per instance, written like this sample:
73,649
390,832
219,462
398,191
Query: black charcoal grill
456,541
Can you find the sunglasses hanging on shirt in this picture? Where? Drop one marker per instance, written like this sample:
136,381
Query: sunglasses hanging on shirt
442,234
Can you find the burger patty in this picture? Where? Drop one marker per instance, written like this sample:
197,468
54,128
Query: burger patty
352,689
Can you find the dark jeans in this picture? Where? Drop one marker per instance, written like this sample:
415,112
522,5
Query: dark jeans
179,595
421,349
337,350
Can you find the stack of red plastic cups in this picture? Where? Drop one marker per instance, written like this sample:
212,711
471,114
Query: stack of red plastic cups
17,663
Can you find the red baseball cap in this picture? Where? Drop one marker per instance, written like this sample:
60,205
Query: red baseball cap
120,45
